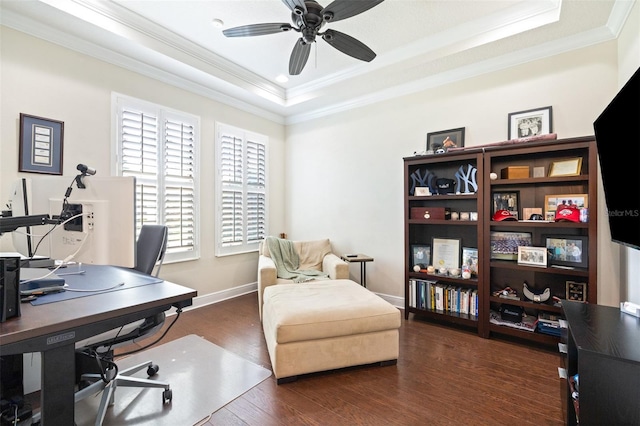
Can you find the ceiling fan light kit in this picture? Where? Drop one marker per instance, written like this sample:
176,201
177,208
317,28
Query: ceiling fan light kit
308,18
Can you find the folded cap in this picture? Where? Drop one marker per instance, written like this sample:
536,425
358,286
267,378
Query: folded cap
503,215
536,216
567,213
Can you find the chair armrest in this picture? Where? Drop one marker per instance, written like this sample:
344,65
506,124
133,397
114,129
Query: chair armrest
334,266
267,275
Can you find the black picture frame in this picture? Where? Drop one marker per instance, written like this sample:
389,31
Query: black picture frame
509,200
567,250
40,145
531,122
420,255
504,245
436,141
576,291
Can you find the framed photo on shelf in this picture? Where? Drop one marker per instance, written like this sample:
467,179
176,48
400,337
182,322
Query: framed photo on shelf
40,145
504,245
567,250
552,202
439,142
576,291
420,255
506,201
532,122
532,256
570,167
445,252
470,259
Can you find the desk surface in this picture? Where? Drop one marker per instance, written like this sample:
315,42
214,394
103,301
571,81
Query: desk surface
58,317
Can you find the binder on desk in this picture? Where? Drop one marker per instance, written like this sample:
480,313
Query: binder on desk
38,280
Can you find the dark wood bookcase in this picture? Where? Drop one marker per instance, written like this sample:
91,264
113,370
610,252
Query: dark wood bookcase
495,273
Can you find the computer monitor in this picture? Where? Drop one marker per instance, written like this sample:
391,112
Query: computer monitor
101,229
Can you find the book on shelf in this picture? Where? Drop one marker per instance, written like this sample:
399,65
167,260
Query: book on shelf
549,318
550,330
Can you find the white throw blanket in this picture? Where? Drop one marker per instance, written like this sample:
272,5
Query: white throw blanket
287,262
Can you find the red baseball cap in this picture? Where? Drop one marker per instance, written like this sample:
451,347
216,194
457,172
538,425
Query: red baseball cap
506,215
567,213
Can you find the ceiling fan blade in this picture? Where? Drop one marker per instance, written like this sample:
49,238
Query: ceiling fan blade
256,30
299,57
343,9
293,4
349,45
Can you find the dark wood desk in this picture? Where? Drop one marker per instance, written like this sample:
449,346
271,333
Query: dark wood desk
53,329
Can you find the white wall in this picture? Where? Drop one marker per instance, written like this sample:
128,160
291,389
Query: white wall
43,79
345,173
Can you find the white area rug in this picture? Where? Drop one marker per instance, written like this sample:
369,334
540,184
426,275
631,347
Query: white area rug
203,377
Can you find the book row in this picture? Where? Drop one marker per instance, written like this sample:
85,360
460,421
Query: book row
432,295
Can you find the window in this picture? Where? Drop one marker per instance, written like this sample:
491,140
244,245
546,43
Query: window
159,148
241,190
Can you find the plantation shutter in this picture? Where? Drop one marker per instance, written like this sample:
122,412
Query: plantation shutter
158,147
241,192
139,158
256,205
179,197
232,171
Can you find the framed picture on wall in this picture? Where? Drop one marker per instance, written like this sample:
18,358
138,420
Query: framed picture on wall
40,145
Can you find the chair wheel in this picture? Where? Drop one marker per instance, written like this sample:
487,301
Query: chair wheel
167,396
152,370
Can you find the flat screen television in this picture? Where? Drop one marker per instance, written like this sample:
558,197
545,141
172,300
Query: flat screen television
617,132
104,232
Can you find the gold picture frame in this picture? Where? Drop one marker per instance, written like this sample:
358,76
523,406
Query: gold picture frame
568,167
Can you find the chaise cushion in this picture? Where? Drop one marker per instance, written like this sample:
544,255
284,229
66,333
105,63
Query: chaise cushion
319,310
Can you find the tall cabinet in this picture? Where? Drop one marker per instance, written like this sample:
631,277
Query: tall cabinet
525,175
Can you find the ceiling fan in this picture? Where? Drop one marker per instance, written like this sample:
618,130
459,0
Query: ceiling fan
308,18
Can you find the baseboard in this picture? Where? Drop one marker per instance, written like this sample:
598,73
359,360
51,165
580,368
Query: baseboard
219,296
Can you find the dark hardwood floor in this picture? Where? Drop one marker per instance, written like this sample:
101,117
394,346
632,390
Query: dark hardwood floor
444,376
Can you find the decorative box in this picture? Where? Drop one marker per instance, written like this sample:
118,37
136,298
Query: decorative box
431,213
515,172
511,313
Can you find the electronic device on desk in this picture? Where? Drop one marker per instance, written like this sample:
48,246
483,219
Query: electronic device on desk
39,281
96,219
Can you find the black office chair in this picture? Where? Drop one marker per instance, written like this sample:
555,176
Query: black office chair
150,249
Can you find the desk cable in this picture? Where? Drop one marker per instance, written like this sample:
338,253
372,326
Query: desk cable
178,312
109,372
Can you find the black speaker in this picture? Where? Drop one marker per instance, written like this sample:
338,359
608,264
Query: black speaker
9,288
